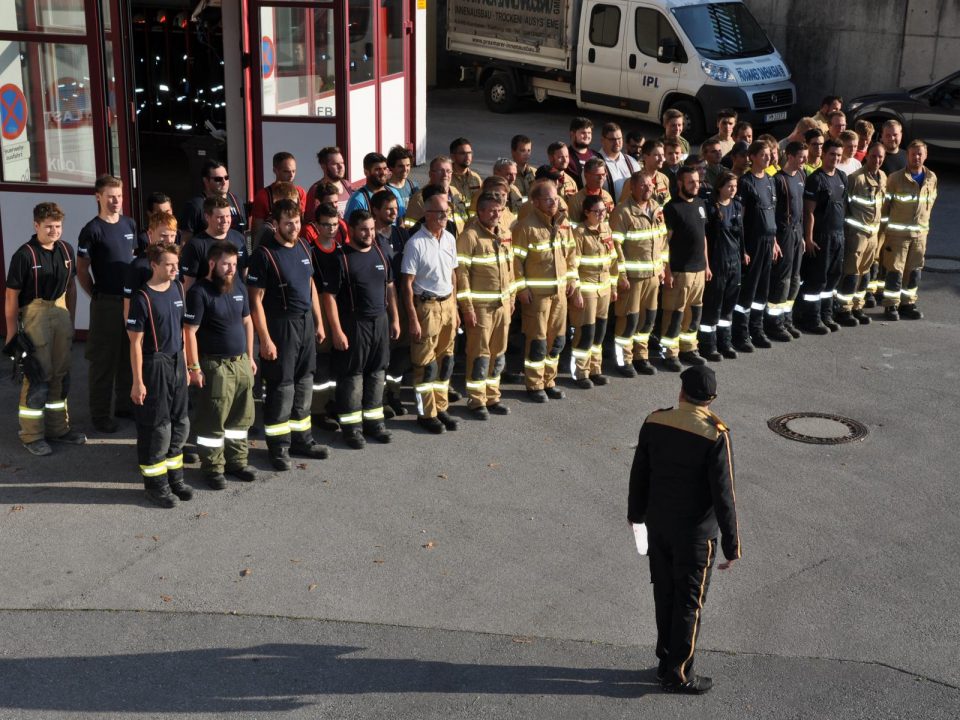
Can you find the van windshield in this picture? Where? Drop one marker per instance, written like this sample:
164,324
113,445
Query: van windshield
720,31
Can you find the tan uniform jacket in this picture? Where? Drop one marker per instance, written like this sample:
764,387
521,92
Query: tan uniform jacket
865,201
575,205
485,266
597,259
661,190
544,253
467,184
907,206
458,209
641,235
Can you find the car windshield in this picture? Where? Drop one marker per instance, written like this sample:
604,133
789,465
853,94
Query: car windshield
722,31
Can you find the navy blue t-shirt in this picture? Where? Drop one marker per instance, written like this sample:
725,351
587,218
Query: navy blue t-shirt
160,320
285,274
759,198
725,234
829,192
358,280
687,223
136,276
193,219
218,317
193,259
110,247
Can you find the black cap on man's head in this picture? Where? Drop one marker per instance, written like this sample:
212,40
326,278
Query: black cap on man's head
699,383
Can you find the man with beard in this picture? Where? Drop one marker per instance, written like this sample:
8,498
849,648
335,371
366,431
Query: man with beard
620,166
219,347
193,261
360,305
465,180
284,170
159,387
216,183
441,171
377,172
581,135
334,169
286,315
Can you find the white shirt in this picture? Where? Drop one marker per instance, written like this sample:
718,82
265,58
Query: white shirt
850,166
619,171
431,262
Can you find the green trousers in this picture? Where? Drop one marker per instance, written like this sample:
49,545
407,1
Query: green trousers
43,403
223,413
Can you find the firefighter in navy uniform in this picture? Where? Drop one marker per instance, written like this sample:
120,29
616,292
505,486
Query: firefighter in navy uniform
41,296
159,388
286,315
219,347
360,305
682,489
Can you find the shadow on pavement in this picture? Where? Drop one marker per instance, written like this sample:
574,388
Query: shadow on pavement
275,677
73,495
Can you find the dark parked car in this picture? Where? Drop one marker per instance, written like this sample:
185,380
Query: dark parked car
930,113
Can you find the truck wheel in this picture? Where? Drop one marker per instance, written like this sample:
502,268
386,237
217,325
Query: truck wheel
693,124
499,93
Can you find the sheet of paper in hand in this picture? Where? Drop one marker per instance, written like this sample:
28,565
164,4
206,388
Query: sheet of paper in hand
640,537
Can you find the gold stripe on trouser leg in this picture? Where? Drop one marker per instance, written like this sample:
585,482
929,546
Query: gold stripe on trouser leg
688,336
534,322
696,616
579,317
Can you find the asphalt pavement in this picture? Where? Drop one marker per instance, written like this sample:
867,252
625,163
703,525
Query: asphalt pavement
490,573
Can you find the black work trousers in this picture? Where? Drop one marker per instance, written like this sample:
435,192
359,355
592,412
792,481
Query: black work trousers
754,284
162,424
361,370
785,274
821,272
680,573
288,381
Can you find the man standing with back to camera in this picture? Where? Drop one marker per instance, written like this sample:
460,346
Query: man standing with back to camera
682,489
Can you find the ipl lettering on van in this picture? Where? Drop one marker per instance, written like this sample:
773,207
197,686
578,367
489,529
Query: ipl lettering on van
650,81
770,72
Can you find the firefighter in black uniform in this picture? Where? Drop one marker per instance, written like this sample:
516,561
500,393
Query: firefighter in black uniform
360,305
825,203
286,315
785,283
159,390
682,489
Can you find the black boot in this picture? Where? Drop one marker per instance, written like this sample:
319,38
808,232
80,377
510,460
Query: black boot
757,337
158,491
869,300
724,343
861,316
741,333
774,328
846,319
707,342
910,312
178,486
643,367
788,325
891,313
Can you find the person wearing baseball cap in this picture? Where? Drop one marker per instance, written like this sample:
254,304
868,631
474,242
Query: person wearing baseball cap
682,489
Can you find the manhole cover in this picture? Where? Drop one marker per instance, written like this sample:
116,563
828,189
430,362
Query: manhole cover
941,264
818,428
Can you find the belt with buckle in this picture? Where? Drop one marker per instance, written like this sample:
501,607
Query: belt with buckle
432,298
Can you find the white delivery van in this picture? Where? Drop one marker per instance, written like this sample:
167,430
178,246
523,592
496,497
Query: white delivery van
635,58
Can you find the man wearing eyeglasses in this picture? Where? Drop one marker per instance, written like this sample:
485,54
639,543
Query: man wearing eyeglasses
441,174
216,183
429,285
620,166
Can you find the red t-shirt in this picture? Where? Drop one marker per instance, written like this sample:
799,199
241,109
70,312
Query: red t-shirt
262,202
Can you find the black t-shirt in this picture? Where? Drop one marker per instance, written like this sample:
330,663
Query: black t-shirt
219,317
829,192
143,240
759,198
687,221
394,247
285,274
136,276
725,234
358,280
193,219
160,320
894,161
789,200
193,259
43,274
110,247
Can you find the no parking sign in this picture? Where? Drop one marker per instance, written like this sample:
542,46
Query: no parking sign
13,111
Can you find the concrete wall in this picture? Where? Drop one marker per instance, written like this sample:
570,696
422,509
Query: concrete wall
859,46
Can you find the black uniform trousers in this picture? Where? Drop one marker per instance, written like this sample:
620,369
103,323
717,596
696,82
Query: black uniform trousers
821,274
288,381
680,572
162,423
785,274
754,285
361,370
720,296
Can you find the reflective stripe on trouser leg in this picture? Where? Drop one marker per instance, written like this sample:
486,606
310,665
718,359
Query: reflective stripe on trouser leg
49,326
288,380
221,420
596,350
543,319
436,343
625,329
691,325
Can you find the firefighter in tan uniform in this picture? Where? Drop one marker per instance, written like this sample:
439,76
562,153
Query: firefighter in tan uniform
865,193
597,273
441,172
465,180
653,157
543,261
909,200
639,231
485,296
594,178
505,193
41,301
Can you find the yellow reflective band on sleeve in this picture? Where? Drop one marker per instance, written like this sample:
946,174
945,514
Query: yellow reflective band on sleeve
637,265
464,295
618,236
175,463
300,425
275,430
62,405
519,252
353,418
861,226
154,470
868,201
235,434
26,412
465,259
210,442
484,259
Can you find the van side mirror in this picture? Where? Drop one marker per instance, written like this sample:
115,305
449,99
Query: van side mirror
667,50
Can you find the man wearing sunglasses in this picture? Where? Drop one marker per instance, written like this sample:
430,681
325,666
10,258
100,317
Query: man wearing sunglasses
216,183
